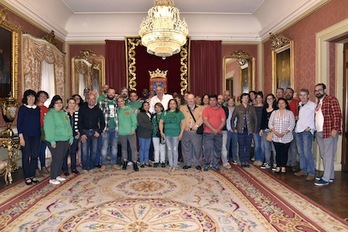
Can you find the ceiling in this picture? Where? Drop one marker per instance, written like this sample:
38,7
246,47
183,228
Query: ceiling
226,20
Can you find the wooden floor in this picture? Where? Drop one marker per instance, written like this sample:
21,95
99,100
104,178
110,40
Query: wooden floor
333,197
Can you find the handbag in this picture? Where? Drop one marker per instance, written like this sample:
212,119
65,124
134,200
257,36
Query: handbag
269,136
200,129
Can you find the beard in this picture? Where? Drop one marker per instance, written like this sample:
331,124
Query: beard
319,95
111,97
288,97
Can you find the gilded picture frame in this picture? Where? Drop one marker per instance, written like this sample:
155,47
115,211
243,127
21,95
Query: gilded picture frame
9,42
282,63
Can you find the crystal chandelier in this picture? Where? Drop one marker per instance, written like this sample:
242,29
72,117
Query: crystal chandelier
162,31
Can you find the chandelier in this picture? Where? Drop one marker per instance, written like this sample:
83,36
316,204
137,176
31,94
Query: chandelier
162,31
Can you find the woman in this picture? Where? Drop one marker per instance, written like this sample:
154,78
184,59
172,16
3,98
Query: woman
78,101
205,100
259,151
74,119
59,137
246,121
268,108
158,145
281,123
171,129
232,136
144,132
29,132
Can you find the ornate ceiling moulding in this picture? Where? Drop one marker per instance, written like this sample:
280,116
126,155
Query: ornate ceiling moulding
278,41
51,38
4,21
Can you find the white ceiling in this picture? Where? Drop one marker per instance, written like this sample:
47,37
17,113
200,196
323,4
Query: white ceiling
227,20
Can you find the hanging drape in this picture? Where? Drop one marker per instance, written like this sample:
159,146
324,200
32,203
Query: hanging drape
35,51
205,67
115,64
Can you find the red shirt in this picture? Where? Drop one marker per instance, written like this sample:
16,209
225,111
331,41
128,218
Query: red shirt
214,117
294,107
332,115
43,112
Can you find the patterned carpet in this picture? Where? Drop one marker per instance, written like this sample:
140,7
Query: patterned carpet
155,199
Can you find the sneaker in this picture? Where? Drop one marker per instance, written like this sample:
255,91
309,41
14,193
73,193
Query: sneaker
265,166
227,166
163,165
53,181
84,171
206,169
321,182
300,173
319,178
310,178
60,178
234,162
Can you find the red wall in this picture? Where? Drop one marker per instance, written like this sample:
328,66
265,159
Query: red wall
303,34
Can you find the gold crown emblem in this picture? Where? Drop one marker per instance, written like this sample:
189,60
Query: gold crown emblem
158,73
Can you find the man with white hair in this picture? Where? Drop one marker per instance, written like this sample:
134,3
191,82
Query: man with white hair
160,97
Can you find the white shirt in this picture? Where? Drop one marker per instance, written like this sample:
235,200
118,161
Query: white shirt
306,117
165,99
319,117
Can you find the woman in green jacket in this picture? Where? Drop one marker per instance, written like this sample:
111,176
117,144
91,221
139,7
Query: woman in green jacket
59,136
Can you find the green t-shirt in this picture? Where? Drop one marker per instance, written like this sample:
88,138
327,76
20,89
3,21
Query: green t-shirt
112,123
172,123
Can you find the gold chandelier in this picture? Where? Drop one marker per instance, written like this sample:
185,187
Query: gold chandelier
162,31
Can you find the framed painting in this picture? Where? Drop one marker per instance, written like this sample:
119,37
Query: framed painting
8,57
283,66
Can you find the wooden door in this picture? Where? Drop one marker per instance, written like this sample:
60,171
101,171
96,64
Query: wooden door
345,111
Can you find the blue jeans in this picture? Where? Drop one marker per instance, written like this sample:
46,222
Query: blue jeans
72,151
268,147
89,150
244,141
212,145
98,153
172,148
231,146
144,150
109,137
259,149
304,141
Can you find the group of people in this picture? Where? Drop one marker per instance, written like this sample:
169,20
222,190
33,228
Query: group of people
203,130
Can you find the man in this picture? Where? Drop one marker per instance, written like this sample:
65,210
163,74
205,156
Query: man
293,104
110,133
214,119
328,119
127,122
279,93
124,94
91,125
104,94
133,102
224,158
304,131
42,98
191,142
160,97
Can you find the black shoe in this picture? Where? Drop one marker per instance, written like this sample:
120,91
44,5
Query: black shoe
34,180
135,167
148,165
142,166
75,171
66,173
124,165
198,168
155,165
28,181
186,167
163,165
97,166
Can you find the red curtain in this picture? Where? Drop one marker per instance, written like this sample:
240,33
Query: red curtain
205,67
115,64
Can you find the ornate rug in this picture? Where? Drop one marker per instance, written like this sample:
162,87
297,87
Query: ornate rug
155,199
